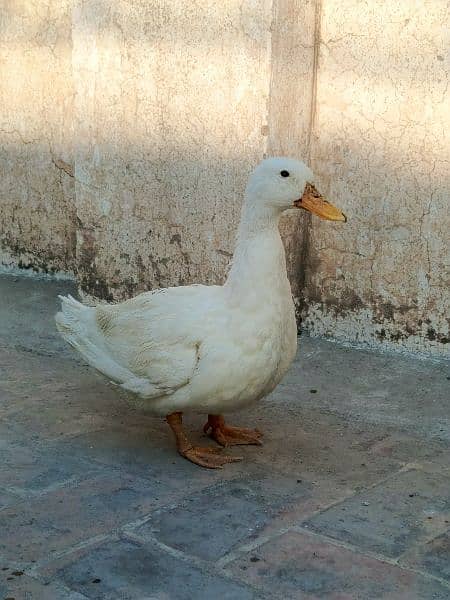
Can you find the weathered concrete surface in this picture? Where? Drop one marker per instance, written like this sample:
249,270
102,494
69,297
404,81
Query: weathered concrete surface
294,36
128,130
170,118
37,213
381,148
348,496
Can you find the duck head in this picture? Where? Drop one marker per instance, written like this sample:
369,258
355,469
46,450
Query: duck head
279,184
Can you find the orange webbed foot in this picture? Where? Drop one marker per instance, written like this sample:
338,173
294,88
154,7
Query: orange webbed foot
211,458
226,435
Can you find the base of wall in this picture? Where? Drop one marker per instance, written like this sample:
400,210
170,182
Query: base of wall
360,329
13,265
356,330
18,272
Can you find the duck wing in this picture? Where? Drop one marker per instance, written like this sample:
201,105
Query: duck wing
151,344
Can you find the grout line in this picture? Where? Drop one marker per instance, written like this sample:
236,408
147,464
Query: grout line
133,524
25,494
97,539
354,494
367,553
20,493
219,566
248,547
178,554
424,574
212,568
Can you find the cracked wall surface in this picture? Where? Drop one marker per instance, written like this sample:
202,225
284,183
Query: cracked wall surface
169,119
37,216
128,130
294,35
381,149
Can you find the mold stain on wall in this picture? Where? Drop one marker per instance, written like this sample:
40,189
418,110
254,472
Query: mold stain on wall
380,150
133,179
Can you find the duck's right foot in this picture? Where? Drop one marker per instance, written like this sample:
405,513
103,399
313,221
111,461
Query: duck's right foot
211,458
225,435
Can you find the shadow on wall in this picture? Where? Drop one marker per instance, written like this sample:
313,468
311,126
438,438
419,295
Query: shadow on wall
158,177
135,222
144,226
140,224
135,182
385,275
37,216
381,144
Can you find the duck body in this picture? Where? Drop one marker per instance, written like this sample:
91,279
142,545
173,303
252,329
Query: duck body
204,348
196,348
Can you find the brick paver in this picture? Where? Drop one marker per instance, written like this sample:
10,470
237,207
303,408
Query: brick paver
348,498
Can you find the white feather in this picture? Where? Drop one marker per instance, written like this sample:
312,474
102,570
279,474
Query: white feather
204,348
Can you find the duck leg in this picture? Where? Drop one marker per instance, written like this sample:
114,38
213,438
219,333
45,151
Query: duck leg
230,436
211,458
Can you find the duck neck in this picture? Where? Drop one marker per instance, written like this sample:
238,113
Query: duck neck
259,259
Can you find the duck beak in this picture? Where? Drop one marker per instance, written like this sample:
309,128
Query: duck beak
316,204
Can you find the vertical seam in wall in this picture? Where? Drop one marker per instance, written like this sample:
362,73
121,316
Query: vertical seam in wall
268,146
77,222
313,106
306,242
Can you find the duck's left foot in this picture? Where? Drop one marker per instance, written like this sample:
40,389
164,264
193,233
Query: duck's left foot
211,458
208,457
230,436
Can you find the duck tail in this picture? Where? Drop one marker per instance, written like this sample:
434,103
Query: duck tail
71,320
77,325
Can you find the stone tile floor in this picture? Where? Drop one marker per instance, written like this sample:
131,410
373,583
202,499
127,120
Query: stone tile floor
349,498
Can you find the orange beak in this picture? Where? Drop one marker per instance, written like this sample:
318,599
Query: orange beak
315,203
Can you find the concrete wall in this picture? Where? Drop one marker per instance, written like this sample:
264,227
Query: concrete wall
128,131
381,147
169,118
37,216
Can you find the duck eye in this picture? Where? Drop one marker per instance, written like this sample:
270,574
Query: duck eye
284,173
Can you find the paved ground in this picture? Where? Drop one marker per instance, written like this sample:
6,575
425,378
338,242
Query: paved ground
349,498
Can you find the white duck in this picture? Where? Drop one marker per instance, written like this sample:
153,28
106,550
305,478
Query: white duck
209,348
